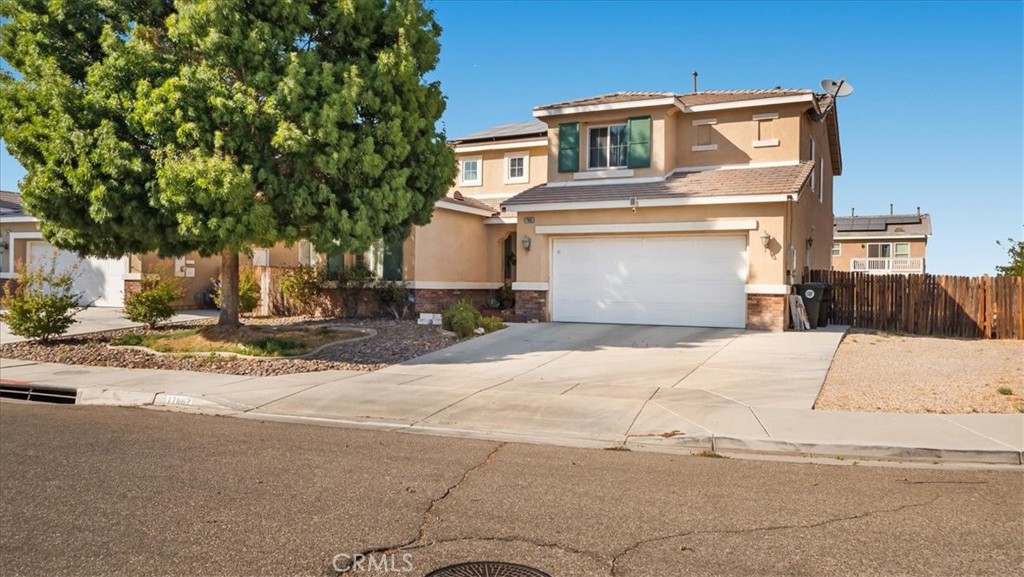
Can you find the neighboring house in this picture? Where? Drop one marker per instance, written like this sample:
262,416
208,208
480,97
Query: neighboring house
881,244
697,209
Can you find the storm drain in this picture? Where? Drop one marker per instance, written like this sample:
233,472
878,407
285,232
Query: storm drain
39,394
487,569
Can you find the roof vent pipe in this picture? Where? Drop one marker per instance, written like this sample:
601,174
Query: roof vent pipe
852,210
890,209
694,81
919,211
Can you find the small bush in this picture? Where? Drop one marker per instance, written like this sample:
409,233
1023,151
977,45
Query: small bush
43,305
1004,391
393,297
248,291
303,287
152,304
491,324
462,318
128,340
507,296
275,347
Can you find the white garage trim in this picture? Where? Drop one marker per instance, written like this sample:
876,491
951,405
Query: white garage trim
648,227
677,280
768,289
16,236
98,281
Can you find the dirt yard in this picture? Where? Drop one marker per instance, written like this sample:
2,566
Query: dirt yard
878,372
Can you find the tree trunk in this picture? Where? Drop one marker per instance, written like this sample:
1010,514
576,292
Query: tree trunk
228,289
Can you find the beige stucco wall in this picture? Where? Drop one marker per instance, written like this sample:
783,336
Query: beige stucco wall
850,248
18,247
458,247
493,185
659,117
765,265
734,133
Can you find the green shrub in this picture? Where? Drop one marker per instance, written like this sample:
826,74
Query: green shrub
248,291
274,347
128,340
507,296
491,324
303,287
152,304
43,305
393,297
462,318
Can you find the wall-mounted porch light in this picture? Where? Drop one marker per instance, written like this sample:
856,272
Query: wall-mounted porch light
765,238
526,243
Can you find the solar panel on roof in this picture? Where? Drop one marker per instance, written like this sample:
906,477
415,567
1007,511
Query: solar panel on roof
911,219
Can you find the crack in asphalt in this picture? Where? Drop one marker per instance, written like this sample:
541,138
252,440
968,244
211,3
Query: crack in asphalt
421,532
680,535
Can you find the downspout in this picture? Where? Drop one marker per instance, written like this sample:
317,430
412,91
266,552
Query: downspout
790,250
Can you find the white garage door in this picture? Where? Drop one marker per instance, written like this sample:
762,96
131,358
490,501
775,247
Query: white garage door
99,280
683,281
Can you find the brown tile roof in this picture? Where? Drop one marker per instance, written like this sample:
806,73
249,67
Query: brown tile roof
689,99
882,225
722,96
610,98
466,201
707,183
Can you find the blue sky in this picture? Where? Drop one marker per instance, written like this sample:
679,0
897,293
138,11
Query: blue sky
936,121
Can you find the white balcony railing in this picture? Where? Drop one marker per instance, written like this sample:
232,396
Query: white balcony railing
887,265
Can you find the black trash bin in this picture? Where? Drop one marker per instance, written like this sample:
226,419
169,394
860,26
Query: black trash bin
826,304
811,293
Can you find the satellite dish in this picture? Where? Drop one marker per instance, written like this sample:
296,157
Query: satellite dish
837,88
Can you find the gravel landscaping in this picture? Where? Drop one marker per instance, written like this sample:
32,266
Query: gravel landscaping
878,372
395,342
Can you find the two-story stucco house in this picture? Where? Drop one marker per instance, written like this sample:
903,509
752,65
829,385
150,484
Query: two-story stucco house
698,209
881,244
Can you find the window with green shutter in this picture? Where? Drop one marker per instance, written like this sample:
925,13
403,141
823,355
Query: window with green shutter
569,147
639,142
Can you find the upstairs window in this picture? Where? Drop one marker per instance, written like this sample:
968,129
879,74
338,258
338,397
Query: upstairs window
470,175
517,168
837,249
608,147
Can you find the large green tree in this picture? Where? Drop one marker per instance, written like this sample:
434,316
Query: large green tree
218,125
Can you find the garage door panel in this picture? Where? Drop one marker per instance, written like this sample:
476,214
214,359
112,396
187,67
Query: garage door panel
695,281
99,281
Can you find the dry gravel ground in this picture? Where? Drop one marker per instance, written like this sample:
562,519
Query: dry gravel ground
878,372
395,342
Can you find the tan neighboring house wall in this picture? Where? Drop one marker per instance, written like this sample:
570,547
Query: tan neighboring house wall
858,248
15,244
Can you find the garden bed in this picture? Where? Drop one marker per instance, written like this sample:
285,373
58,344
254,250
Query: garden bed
394,342
247,340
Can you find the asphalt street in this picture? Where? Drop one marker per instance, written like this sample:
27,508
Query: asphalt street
116,491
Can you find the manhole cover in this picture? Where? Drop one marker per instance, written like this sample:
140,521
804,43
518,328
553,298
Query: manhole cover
487,569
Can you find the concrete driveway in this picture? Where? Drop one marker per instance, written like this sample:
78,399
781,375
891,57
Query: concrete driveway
98,319
586,381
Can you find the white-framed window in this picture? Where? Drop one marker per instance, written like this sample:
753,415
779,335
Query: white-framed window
607,146
879,250
306,255
901,250
765,135
471,171
837,249
517,168
821,178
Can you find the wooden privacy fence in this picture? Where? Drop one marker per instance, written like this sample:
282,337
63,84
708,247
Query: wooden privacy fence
924,304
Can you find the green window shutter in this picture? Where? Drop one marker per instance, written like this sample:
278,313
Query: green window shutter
393,261
639,142
569,147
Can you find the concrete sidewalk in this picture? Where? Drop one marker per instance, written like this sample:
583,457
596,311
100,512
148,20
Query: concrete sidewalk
723,391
